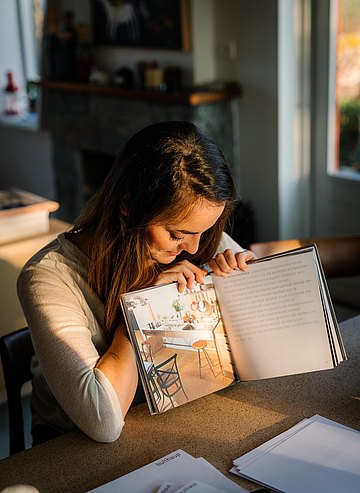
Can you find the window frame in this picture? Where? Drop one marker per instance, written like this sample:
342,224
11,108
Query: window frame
333,112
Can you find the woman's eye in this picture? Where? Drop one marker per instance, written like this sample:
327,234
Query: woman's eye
174,237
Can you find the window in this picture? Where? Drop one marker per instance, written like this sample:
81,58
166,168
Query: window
344,108
21,24
31,19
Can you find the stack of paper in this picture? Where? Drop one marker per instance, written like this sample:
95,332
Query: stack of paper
178,472
315,455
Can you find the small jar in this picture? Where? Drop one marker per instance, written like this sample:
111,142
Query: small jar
154,78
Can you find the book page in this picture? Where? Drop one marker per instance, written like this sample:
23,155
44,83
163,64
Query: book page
178,335
274,319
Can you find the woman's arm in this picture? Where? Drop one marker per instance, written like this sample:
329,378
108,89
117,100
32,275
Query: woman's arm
118,364
66,319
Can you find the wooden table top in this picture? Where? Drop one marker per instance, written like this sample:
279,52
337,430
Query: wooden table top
219,427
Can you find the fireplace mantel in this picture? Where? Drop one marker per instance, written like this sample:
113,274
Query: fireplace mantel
84,119
192,97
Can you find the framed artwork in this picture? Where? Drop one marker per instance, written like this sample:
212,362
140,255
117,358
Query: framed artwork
153,24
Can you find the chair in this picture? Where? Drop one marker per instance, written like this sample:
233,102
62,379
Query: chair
200,347
168,379
16,350
150,346
340,255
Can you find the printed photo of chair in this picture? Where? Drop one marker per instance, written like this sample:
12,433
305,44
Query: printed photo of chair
168,380
150,346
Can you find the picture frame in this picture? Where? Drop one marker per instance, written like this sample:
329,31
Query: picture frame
149,24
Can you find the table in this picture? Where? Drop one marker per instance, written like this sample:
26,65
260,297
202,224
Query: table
219,427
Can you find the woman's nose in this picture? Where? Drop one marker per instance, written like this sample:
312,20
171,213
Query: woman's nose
191,244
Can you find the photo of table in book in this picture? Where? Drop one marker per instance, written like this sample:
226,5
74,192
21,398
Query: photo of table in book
219,427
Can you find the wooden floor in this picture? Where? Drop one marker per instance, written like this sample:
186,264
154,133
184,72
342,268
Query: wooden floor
194,385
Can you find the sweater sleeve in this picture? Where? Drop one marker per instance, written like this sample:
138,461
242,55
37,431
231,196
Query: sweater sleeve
63,328
227,242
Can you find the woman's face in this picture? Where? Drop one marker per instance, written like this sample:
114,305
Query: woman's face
168,240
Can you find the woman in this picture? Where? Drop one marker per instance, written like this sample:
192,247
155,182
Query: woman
159,217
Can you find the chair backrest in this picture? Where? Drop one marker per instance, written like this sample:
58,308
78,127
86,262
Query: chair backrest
340,255
167,369
16,350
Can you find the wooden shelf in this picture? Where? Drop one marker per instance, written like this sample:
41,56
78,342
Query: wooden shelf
190,97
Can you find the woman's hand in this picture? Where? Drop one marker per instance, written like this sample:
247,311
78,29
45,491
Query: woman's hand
184,273
224,263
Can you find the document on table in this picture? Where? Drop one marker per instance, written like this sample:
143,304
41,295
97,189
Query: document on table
315,455
178,472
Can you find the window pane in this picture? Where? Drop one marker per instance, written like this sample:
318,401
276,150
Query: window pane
347,157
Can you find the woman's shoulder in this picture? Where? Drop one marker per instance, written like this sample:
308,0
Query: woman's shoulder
226,242
60,255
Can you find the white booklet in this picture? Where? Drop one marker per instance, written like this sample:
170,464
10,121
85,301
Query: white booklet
171,474
276,319
313,456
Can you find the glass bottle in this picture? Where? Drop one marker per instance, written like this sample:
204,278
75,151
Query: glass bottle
11,95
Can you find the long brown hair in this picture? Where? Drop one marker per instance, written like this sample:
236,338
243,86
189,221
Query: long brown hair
159,174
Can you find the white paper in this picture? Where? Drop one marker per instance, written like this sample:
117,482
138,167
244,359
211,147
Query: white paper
316,455
177,467
166,487
198,487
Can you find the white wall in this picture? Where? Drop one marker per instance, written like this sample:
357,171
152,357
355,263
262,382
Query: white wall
203,40
9,38
252,25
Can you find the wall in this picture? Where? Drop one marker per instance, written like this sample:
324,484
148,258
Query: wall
8,37
252,24
25,161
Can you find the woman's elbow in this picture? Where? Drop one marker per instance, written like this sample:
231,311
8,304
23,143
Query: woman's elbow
104,433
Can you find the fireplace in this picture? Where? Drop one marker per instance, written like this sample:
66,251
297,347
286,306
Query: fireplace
90,125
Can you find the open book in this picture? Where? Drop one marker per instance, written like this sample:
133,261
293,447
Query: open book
276,319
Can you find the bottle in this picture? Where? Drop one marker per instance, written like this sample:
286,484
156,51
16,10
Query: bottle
11,95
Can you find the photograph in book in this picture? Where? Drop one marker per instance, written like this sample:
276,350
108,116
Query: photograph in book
180,343
277,319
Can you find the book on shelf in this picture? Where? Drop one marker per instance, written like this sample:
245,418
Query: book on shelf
23,214
277,319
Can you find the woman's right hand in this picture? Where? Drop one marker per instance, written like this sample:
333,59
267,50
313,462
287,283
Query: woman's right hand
184,273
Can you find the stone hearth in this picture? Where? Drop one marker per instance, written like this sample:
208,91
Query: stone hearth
87,124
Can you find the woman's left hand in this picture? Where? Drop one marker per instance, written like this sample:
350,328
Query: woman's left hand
224,263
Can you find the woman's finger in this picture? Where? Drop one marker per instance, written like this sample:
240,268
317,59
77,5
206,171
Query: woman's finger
243,257
221,263
189,270
224,263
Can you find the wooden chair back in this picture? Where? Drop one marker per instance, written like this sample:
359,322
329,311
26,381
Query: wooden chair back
16,350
